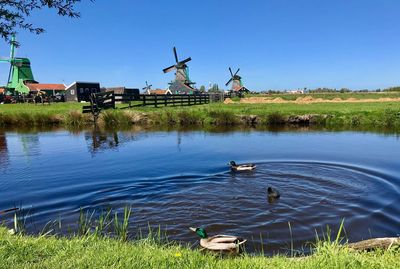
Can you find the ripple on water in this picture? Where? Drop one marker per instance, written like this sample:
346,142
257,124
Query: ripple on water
313,195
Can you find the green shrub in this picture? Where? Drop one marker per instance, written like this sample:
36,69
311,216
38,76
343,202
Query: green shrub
221,117
276,118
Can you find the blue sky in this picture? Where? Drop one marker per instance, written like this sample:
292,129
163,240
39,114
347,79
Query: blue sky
278,44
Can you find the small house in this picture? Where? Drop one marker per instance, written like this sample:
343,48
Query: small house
80,91
49,89
159,92
239,91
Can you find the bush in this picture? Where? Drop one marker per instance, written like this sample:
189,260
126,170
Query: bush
221,117
276,118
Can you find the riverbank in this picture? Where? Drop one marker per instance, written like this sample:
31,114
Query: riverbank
19,251
374,114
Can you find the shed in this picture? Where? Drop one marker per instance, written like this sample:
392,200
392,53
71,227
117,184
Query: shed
123,90
80,91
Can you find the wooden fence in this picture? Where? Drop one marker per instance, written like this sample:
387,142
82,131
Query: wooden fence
99,102
107,100
157,100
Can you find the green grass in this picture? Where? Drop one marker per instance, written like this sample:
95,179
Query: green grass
376,114
21,251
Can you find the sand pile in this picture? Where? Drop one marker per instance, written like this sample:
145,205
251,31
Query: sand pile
228,101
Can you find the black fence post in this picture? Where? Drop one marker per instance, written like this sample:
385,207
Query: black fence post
113,100
155,100
144,100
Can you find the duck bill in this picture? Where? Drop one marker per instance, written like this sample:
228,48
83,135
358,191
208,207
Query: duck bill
192,229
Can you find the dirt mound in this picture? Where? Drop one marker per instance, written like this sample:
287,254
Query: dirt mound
305,100
279,100
228,101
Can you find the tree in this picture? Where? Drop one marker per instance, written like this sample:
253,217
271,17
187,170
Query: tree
14,14
214,88
202,88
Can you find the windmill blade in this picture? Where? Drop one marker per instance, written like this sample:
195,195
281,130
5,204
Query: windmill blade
186,60
237,71
5,59
230,70
176,55
169,69
229,81
151,85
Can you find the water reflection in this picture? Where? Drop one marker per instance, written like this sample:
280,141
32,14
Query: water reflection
99,140
30,144
3,149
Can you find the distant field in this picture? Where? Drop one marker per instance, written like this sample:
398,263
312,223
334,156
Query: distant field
330,96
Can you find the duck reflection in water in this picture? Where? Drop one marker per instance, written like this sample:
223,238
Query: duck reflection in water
273,195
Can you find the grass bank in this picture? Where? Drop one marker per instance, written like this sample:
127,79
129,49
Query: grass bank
374,114
21,251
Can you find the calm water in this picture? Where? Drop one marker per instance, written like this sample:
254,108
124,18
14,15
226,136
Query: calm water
180,179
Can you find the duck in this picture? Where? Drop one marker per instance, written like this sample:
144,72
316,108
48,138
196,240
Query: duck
273,194
241,167
225,243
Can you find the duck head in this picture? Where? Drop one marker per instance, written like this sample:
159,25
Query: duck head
269,190
200,232
232,163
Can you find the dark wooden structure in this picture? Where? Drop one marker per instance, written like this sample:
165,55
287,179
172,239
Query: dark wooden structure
81,91
99,102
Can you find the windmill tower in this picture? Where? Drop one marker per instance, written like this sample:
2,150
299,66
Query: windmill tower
147,88
20,71
182,82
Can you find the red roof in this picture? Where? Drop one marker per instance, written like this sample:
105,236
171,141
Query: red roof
159,91
42,87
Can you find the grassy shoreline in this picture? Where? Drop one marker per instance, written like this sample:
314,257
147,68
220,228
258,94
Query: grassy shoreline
21,251
375,114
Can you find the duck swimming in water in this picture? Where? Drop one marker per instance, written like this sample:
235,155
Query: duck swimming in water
241,167
273,194
227,243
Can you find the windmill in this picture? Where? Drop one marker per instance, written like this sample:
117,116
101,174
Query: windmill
20,71
236,80
147,88
182,82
